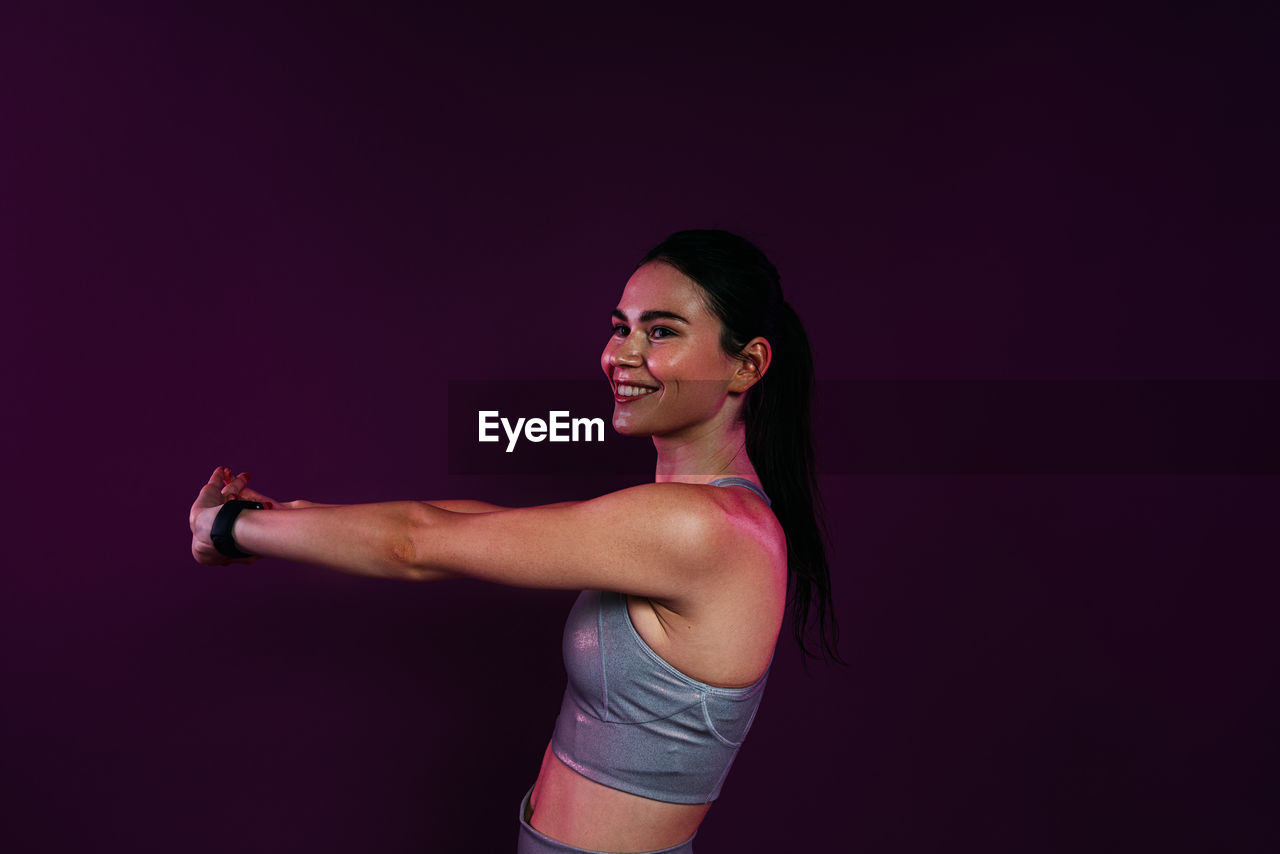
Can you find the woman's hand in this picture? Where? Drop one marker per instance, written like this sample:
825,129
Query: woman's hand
220,489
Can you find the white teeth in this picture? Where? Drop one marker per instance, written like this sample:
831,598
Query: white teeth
634,390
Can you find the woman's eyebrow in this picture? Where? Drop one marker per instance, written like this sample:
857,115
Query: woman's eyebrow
652,314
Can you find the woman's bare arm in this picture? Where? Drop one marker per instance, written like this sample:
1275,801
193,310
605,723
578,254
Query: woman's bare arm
655,540
453,505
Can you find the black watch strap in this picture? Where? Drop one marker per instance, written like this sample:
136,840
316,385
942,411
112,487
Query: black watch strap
221,533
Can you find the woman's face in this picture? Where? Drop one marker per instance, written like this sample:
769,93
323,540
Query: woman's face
663,358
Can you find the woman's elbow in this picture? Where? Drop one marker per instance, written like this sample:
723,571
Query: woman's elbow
407,555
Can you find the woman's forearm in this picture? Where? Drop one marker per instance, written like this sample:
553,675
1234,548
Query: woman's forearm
451,504
362,539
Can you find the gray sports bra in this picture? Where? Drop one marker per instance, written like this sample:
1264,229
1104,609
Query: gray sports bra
631,721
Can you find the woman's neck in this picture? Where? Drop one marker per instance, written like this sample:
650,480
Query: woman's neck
703,457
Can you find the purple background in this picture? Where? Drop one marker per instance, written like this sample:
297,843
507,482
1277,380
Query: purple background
269,237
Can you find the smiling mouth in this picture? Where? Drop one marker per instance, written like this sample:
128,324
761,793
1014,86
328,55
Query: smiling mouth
627,391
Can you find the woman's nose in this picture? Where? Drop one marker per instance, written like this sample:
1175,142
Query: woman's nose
626,353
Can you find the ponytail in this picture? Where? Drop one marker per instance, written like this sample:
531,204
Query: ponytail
780,445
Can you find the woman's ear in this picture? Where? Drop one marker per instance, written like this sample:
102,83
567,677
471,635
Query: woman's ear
753,361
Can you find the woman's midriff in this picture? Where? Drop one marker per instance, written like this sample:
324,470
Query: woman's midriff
581,812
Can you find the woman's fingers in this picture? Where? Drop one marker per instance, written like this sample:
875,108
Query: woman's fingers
235,485
216,481
210,494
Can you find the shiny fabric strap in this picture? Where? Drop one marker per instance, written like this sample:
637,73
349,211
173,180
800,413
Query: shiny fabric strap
741,481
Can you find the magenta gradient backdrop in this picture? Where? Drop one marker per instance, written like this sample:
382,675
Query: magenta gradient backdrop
269,237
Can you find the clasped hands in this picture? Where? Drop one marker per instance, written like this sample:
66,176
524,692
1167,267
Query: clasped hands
221,488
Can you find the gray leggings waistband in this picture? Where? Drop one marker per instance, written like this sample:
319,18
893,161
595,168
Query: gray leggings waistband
533,842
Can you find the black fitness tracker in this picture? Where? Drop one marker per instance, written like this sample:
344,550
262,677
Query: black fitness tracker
221,533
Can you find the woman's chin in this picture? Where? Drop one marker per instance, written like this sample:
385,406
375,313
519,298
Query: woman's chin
625,426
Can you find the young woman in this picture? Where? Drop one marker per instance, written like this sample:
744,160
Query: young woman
685,579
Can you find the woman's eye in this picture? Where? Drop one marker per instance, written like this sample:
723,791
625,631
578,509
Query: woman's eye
622,331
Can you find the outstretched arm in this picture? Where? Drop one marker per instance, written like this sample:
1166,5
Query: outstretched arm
222,487
659,540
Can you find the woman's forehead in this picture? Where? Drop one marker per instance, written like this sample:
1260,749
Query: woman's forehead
658,286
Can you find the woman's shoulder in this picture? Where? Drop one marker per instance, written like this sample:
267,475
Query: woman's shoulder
736,521
717,507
